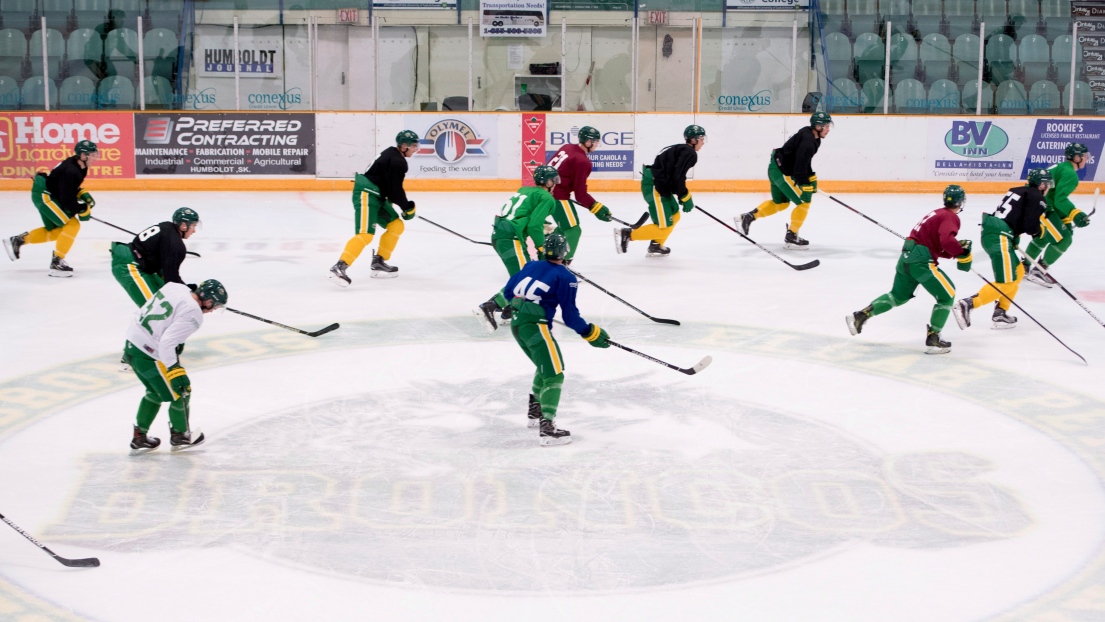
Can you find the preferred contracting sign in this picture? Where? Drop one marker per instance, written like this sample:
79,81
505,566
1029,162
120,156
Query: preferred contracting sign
225,144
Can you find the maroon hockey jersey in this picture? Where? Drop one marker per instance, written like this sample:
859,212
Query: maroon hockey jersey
937,232
574,166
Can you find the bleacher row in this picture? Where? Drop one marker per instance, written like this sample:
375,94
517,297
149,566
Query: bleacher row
91,53
934,56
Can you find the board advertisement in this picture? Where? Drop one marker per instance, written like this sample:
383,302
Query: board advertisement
513,18
37,141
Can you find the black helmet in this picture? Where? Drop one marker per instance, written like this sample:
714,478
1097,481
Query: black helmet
556,246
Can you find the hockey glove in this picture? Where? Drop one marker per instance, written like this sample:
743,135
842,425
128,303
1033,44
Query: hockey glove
178,380
813,182
409,213
1081,219
597,337
180,349
688,203
963,261
549,227
966,246
85,197
807,193
601,212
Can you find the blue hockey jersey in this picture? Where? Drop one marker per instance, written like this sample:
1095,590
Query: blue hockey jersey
549,285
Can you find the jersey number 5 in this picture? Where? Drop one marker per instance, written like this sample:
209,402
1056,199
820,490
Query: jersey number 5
149,316
530,289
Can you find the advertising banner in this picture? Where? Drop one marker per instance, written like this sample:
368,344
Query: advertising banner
760,5
414,4
614,156
513,18
259,55
977,149
236,143
38,141
454,147
534,153
1050,138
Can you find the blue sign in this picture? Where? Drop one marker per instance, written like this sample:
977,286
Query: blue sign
1050,140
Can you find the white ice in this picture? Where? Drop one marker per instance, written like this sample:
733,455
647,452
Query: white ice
385,471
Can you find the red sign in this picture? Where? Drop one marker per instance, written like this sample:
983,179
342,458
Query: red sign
657,18
36,141
533,145
347,16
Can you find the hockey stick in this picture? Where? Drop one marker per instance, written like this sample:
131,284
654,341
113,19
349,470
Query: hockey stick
586,83
976,273
640,221
805,266
317,333
454,232
1065,290
690,371
612,295
104,222
88,562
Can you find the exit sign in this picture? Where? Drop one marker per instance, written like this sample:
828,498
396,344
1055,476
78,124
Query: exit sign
658,18
347,16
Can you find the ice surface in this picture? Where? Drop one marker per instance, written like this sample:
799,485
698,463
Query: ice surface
385,471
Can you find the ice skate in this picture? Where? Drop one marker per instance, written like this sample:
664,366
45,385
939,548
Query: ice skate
140,443
58,268
621,239
381,270
534,413
185,440
486,312
1039,277
795,243
935,344
744,221
1002,320
856,320
962,312
13,244
656,250
506,315
338,275
551,435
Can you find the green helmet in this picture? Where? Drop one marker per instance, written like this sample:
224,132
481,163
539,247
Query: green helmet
406,137
185,215
1074,149
1039,176
693,131
85,146
587,133
212,290
556,246
954,196
542,174
820,118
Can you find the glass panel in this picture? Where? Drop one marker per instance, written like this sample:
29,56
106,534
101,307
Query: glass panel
666,58
747,66
503,83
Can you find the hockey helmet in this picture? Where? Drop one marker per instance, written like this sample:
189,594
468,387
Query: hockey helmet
1075,149
185,215
694,131
556,246
214,291
954,196
406,137
543,174
85,146
587,133
820,118
1039,176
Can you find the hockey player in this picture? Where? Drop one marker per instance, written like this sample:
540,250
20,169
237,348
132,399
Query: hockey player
1019,212
537,290
62,204
664,186
521,217
1061,217
792,179
154,256
574,167
376,195
160,326
932,239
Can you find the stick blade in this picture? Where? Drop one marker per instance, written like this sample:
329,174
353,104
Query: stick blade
329,329
703,364
640,221
805,266
88,562
665,321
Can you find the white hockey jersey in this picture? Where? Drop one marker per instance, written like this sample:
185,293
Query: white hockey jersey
164,322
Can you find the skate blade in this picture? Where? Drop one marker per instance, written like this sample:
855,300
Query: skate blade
850,321
337,279
123,367
196,443
1003,325
618,241
937,350
142,450
487,324
548,441
534,423
960,319
1039,282
57,274
656,255
795,247
380,274
10,250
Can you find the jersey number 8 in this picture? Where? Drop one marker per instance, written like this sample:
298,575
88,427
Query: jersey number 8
149,233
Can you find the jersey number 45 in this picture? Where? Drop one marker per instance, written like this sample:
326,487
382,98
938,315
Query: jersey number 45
530,289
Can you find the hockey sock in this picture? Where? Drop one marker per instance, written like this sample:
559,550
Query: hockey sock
1035,249
1055,251
989,294
500,300
66,237
354,247
940,313
178,415
550,395
798,216
41,236
647,232
572,234
882,304
147,412
390,238
768,208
